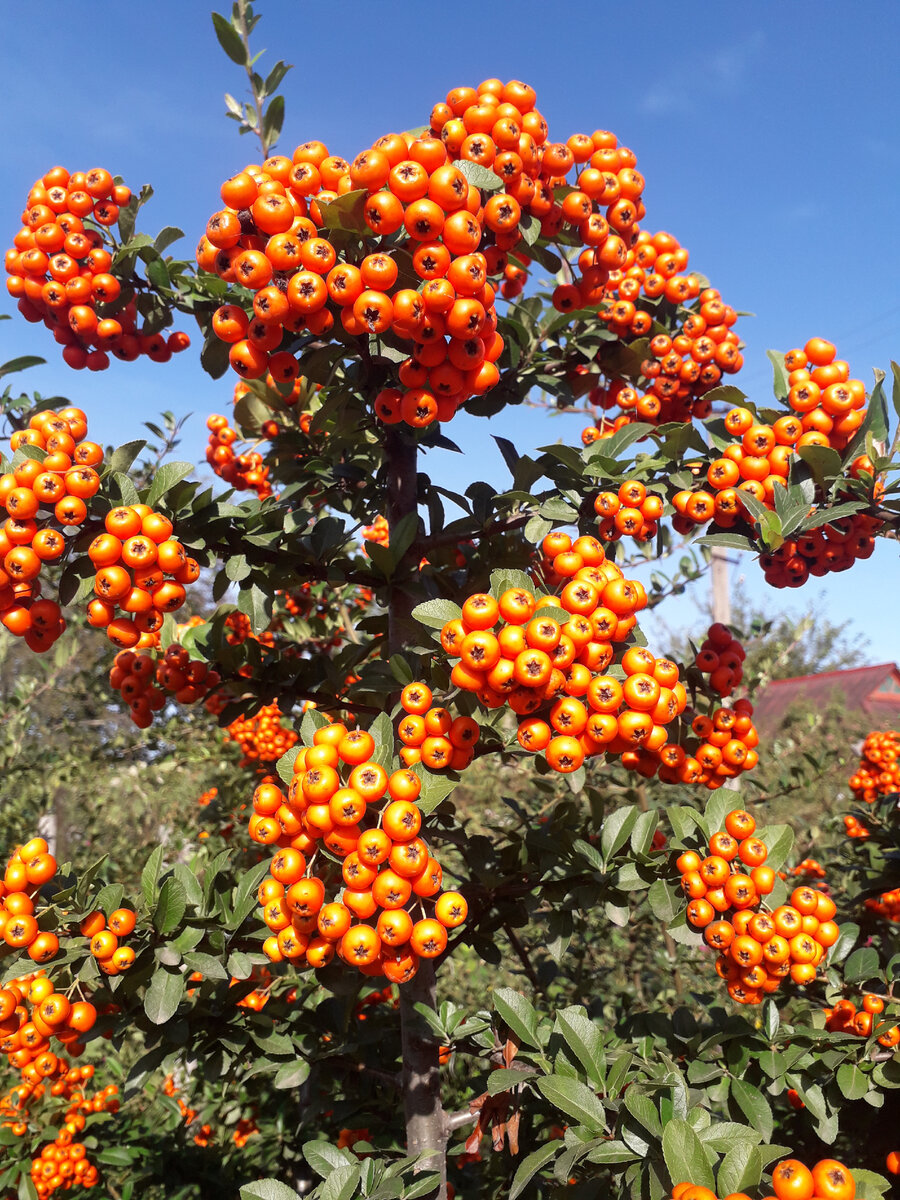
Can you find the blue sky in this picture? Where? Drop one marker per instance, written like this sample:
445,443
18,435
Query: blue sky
767,134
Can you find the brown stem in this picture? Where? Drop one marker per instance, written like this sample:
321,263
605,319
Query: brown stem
426,1131
671,948
522,955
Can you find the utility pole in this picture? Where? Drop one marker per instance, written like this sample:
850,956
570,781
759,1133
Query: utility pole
721,596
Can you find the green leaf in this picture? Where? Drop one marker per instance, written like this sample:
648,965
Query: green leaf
771,1019
616,830
324,1157
347,212
517,1014
754,1106
275,76
583,1038
611,1152
845,943
530,1166
435,787
740,1169
170,907
478,176
123,456
167,236
662,900
504,1079
644,1111
237,567
245,893
575,1099
734,541
209,967
643,831
268,1189
530,228
862,964
780,841
824,463
684,1155
436,613
20,364
163,996
230,40
166,478
781,386
273,119
115,1156
150,875
382,732
623,438
285,764
292,1074
869,1185
852,1082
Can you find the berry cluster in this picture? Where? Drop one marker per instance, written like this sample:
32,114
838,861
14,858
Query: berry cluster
28,869
808,868
458,240
721,657
42,498
679,370
61,269
560,653
757,462
31,1012
432,735
269,240
141,569
534,661
844,1018
145,682
378,532
855,828
106,938
834,547
206,798
886,905
791,1180
727,747
628,512
830,403
262,737
63,1163
341,798
878,772
242,471
757,949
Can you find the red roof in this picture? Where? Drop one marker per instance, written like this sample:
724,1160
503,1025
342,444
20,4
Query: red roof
874,691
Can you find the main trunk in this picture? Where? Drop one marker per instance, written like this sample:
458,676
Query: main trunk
424,1113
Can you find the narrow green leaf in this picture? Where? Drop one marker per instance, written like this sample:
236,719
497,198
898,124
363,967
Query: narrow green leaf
530,1166
230,40
436,613
166,478
518,1014
20,364
684,1155
754,1106
163,996
575,1099
852,1081
583,1038
170,907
